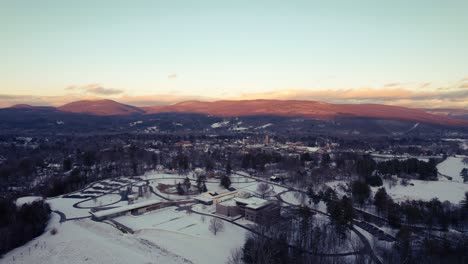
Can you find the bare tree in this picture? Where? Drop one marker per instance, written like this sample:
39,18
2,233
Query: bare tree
216,225
263,189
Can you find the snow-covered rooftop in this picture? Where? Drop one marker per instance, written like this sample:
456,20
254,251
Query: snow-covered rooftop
252,202
230,202
121,209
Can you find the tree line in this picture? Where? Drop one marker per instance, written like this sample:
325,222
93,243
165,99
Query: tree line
20,225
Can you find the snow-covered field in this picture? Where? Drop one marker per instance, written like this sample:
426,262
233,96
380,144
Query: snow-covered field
65,205
186,234
85,241
452,167
27,200
102,200
169,235
426,190
219,124
295,198
443,189
385,157
252,187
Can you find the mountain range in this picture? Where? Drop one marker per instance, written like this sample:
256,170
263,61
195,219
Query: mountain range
284,108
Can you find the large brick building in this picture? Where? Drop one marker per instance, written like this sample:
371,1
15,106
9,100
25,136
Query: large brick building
253,209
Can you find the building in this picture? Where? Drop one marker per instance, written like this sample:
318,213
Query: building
131,198
253,209
184,144
142,190
228,208
134,208
204,200
262,213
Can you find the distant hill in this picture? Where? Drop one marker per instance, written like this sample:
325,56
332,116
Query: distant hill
26,107
306,109
449,112
100,107
311,110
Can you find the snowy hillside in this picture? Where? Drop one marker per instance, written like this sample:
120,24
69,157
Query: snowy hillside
86,241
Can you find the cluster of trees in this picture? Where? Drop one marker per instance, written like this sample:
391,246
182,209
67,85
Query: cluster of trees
85,166
433,213
407,249
23,167
61,185
360,191
181,162
299,239
184,187
365,167
258,160
424,170
201,184
20,225
341,213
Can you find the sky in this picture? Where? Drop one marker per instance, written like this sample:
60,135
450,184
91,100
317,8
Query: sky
410,53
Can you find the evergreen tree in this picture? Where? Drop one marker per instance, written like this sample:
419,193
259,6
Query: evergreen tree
464,174
67,164
201,184
361,191
381,199
228,168
225,182
180,190
403,245
325,160
464,203
365,167
187,184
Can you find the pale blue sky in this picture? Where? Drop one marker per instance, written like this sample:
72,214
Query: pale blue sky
229,48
